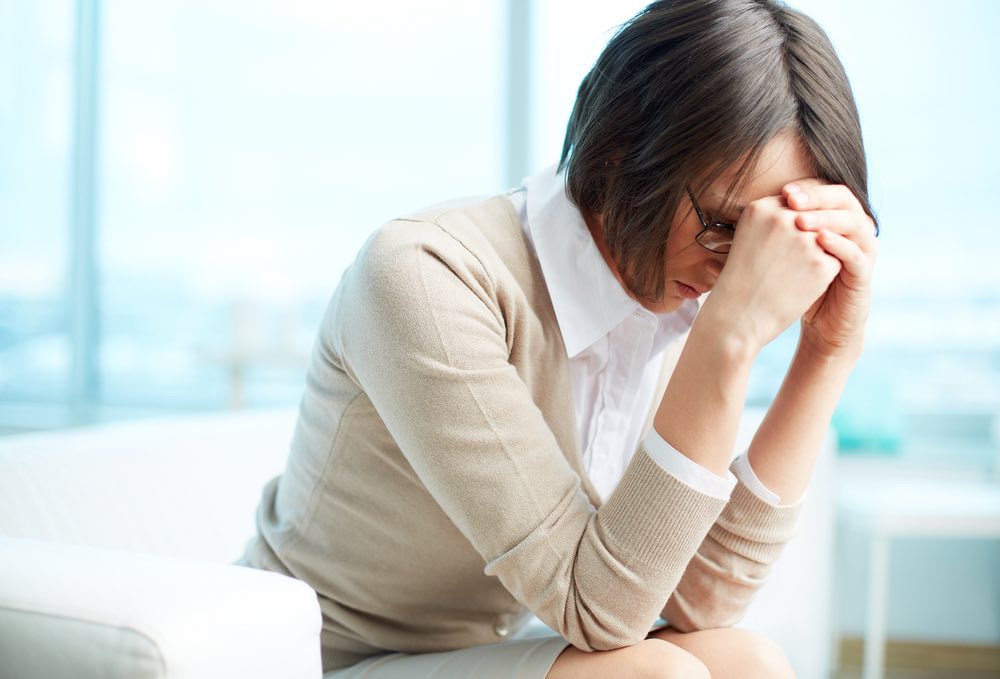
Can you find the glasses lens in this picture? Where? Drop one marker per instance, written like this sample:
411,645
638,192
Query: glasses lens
716,239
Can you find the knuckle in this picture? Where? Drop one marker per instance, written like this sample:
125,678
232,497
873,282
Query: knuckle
808,246
753,209
822,264
785,219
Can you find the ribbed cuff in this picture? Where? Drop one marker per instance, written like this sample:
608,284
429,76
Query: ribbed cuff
655,517
750,526
687,470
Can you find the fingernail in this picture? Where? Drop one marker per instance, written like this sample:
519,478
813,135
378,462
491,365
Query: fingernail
807,220
801,198
792,188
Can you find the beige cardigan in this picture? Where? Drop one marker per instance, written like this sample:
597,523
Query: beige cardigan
435,494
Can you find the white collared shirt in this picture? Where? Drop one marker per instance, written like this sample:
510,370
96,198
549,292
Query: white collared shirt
615,346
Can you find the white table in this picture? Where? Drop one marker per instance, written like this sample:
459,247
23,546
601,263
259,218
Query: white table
885,510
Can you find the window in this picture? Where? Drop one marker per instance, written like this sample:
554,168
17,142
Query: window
35,202
244,153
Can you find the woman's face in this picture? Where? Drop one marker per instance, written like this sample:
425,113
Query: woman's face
690,269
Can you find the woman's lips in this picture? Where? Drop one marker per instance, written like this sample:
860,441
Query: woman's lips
687,291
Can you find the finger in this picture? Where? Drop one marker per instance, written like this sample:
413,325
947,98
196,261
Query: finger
796,194
812,195
767,204
843,222
815,196
856,263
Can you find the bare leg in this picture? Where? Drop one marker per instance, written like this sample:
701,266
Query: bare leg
731,653
649,659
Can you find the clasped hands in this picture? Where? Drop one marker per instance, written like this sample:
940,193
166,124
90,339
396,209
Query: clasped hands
806,254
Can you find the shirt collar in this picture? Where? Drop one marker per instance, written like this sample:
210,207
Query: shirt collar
589,301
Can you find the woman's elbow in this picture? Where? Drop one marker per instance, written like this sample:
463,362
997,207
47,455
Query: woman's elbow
590,634
685,617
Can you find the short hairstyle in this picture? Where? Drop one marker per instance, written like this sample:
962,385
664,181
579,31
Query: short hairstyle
686,89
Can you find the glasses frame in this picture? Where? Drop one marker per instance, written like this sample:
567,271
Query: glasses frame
730,229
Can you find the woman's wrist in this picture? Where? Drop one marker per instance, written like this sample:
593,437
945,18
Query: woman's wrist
733,333
818,353
700,410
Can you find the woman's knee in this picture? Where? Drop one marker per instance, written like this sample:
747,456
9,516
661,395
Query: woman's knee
649,659
660,659
756,656
766,659
732,653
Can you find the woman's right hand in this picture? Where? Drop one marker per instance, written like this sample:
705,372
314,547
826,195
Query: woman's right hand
773,274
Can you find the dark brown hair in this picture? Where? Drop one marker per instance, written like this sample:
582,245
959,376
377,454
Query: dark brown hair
685,90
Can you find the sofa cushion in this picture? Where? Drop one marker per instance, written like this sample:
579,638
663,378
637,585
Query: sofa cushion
180,486
79,612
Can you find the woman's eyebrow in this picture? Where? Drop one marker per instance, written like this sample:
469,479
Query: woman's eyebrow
730,210
723,201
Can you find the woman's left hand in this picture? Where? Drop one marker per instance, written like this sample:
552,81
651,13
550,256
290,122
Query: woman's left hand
834,326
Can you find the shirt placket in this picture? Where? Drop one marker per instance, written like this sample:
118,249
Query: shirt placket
629,347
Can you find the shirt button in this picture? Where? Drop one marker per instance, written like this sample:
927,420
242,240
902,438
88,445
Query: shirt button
501,628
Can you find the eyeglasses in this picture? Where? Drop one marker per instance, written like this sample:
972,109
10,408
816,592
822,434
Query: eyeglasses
717,236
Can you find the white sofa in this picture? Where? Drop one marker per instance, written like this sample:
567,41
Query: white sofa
116,543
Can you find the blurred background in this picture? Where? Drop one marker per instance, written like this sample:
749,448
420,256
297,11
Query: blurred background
182,185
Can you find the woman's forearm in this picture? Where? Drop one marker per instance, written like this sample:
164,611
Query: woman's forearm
784,450
700,411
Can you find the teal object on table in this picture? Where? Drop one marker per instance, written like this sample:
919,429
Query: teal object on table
869,419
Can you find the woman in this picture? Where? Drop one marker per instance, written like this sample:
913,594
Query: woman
474,443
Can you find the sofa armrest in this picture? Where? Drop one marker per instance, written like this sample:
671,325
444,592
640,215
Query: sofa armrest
82,612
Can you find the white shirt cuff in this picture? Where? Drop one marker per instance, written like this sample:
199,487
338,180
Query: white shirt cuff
746,474
686,470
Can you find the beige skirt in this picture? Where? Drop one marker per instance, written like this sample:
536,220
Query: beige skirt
515,659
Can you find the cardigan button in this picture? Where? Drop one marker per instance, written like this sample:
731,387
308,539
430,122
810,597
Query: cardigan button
501,628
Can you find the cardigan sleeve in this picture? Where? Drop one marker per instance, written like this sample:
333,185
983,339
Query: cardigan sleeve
732,562
423,328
